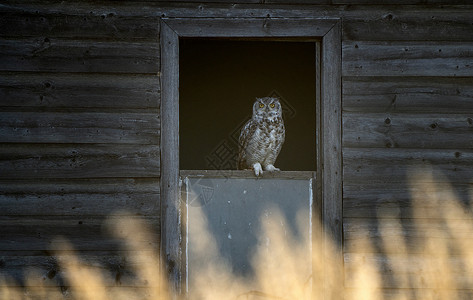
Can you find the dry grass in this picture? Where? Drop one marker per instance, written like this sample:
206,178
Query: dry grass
438,266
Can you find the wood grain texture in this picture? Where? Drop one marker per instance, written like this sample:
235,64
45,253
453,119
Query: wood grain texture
79,204
80,197
397,22
171,232
84,233
410,234
54,55
28,161
362,165
432,131
69,91
331,158
408,94
401,200
90,22
331,121
411,271
118,271
407,58
254,27
79,128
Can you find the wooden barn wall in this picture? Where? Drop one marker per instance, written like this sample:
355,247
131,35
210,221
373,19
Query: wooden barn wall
79,117
79,132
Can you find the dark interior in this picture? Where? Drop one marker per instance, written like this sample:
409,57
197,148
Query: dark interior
219,81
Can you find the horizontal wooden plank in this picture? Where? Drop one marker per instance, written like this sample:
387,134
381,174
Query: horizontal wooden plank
408,94
409,235
88,185
118,269
27,161
406,22
411,271
121,9
248,28
79,204
79,91
83,233
105,23
435,131
54,55
407,58
207,9
402,200
396,165
87,197
66,127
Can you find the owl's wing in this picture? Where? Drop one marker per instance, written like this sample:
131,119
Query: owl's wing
246,133
281,139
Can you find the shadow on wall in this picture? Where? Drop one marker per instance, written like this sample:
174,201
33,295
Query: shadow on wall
434,262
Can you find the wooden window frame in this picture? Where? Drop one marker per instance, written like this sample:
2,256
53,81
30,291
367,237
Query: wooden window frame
326,33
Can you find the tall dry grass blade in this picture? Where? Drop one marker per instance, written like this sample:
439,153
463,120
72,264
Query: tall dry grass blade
143,256
86,283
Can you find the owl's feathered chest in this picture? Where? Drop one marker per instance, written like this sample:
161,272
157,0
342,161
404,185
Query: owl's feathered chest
260,142
267,133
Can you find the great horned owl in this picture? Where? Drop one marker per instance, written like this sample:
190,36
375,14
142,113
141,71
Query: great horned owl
262,137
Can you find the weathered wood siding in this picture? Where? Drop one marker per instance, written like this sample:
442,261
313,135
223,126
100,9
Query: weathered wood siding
407,105
79,114
79,133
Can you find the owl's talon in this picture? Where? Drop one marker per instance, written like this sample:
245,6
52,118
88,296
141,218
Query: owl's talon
258,169
271,168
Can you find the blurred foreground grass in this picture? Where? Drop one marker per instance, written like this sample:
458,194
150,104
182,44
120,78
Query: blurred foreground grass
438,266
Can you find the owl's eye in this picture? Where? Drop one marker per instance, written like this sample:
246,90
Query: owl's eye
272,105
261,105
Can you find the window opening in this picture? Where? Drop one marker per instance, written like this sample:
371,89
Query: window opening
219,81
